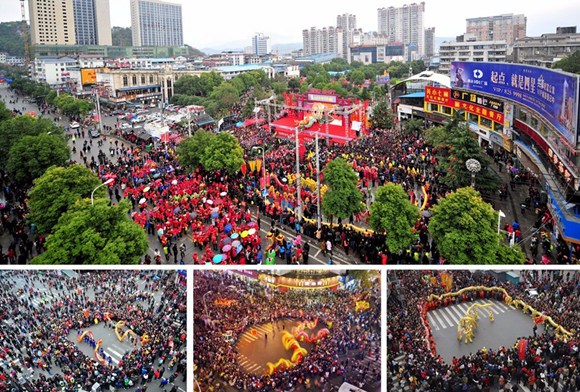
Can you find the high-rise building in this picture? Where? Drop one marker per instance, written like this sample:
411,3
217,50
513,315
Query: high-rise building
92,22
430,41
260,44
507,27
404,24
156,23
346,22
51,22
325,40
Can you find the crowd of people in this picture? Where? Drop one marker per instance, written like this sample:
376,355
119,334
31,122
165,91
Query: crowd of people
38,340
549,361
353,334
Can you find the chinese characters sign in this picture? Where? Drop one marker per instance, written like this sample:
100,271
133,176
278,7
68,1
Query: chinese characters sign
553,95
445,97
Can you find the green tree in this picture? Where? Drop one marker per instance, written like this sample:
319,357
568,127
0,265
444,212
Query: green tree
413,126
5,113
31,156
294,84
122,36
382,117
192,150
57,190
393,213
99,234
248,109
14,129
343,198
224,97
569,64
356,77
223,153
464,229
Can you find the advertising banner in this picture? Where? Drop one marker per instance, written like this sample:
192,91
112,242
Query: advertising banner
442,96
88,76
552,94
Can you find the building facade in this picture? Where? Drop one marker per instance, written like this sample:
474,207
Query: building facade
488,51
507,27
156,23
51,22
92,22
260,45
326,40
346,22
53,71
430,42
546,49
404,24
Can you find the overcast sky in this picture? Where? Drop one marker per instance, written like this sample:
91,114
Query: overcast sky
215,23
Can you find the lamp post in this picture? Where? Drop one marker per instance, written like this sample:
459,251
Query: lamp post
499,216
298,196
205,304
474,167
93,192
318,212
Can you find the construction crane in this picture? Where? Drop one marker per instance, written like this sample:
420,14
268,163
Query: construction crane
25,35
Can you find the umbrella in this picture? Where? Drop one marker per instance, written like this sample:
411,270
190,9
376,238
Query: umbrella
236,243
146,189
210,202
214,215
239,249
217,202
244,234
226,248
426,214
252,231
227,240
143,201
218,258
176,210
284,179
234,236
193,214
228,228
174,182
223,194
252,224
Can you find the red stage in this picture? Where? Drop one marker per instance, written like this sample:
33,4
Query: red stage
285,128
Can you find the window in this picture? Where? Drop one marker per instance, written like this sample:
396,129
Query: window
134,80
446,110
142,79
534,122
150,78
433,107
498,127
472,117
125,81
484,122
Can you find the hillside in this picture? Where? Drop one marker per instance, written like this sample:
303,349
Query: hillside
11,40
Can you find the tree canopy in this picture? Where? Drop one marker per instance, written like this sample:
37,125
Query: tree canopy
57,190
99,234
223,153
382,117
393,213
343,198
464,229
570,63
191,150
30,156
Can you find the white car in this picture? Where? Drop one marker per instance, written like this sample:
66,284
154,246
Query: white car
125,126
75,125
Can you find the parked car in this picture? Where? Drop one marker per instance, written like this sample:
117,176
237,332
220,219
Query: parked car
94,132
125,126
75,125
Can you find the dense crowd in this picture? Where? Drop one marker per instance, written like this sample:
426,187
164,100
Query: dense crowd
548,361
42,338
352,335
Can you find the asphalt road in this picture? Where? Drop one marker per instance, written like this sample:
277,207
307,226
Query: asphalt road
316,256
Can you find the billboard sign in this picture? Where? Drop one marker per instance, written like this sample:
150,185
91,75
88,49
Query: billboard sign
88,76
443,96
478,99
553,95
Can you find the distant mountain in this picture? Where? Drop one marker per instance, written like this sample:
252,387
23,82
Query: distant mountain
287,48
234,47
11,39
122,36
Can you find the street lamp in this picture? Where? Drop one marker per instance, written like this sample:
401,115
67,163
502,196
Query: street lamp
499,216
474,167
103,184
261,148
205,304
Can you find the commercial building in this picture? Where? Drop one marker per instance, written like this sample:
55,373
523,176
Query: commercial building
469,50
507,27
53,71
92,22
378,53
260,44
109,52
546,49
51,22
430,42
156,23
404,24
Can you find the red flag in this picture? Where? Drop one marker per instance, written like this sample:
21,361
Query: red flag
244,169
522,347
539,320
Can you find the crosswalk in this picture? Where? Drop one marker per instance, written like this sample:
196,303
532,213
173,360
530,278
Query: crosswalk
115,352
247,338
448,317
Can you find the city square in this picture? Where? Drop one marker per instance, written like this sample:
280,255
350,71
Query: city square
293,330
93,331
491,330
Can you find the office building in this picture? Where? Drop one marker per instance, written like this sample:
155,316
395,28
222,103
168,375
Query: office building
51,22
92,22
260,45
430,42
404,24
467,49
507,27
545,50
156,23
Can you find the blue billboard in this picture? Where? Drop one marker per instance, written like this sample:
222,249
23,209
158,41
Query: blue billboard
552,94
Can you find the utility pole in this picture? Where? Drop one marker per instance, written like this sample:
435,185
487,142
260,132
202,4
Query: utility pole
99,110
318,213
299,196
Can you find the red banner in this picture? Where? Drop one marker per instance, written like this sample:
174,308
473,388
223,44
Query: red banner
442,96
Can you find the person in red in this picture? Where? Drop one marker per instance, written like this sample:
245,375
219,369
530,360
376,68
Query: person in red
195,258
